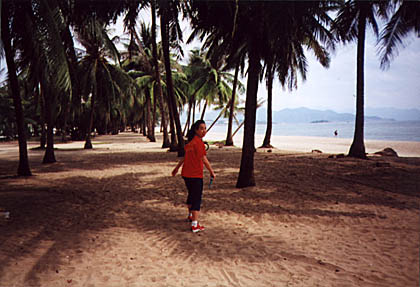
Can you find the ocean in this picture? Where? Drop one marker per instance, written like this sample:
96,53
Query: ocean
374,130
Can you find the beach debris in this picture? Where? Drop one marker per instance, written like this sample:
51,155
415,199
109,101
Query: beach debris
340,155
316,151
387,152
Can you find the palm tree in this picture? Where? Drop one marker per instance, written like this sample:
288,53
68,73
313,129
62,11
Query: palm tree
40,46
351,24
208,82
103,83
405,19
170,29
256,26
158,93
6,16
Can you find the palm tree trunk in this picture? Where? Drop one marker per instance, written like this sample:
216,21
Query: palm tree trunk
238,128
149,121
65,119
43,139
158,93
88,143
169,83
23,168
357,148
174,143
218,117
153,119
49,156
267,138
193,114
144,121
246,171
229,137
204,110
187,122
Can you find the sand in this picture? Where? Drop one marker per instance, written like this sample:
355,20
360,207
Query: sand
112,216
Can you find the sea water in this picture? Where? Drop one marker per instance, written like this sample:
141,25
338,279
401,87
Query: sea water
374,130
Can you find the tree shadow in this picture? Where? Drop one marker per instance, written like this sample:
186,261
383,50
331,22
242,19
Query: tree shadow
66,211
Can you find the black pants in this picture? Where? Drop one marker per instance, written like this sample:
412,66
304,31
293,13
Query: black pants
195,192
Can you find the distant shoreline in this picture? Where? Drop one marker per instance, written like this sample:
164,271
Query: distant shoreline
329,145
377,130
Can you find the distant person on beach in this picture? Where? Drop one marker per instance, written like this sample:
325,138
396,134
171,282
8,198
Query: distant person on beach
335,133
192,171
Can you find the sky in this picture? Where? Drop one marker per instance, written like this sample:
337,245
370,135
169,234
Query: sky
335,88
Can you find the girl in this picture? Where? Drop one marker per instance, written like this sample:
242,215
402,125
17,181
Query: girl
192,171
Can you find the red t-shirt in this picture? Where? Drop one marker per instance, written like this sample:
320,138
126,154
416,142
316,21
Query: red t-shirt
193,159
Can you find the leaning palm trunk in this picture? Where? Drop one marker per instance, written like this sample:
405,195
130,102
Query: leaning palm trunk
246,172
23,169
169,83
238,128
267,138
218,117
229,137
357,148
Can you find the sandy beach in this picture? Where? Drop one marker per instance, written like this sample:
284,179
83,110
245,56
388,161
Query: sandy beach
332,145
113,216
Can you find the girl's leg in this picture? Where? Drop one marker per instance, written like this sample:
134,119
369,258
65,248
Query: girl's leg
195,215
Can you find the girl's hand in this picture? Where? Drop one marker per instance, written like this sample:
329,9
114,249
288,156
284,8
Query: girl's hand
212,174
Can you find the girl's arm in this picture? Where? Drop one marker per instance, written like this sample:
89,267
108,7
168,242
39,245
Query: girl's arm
180,163
208,166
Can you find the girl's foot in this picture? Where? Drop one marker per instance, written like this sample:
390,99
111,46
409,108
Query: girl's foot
197,228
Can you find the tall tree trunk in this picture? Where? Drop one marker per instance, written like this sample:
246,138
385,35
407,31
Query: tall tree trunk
144,121
150,129
43,139
357,148
65,119
267,138
229,137
72,63
88,143
169,83
23,168
152,132
204,110
187,122
158,88
174,143
246,172
49,156
193,114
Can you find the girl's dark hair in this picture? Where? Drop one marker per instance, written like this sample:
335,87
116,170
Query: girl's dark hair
194,127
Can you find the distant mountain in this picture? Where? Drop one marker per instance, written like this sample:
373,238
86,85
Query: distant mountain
305,115
393,113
